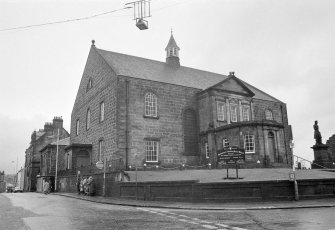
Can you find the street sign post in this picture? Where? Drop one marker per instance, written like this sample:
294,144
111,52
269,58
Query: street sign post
231,155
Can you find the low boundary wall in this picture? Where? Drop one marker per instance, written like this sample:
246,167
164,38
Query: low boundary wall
194,191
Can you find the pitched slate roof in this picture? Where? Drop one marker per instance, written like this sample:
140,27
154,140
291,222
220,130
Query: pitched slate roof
143,68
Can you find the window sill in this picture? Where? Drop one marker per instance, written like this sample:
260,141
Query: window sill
249,153
151,117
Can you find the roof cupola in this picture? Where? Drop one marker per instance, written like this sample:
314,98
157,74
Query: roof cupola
172,52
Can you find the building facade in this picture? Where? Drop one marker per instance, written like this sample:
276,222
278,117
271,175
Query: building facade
52,154
39,139
162,113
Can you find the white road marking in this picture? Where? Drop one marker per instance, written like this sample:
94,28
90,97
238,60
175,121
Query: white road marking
209,226
237,228
223,225
206,222
191,222
196,221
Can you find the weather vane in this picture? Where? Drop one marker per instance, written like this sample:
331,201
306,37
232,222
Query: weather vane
141,11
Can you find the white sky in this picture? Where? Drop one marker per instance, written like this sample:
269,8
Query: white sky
285,48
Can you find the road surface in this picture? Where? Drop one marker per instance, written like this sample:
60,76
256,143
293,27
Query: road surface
48,212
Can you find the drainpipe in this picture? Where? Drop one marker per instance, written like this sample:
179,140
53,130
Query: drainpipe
127,121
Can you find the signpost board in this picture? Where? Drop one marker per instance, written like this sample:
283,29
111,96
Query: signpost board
231,155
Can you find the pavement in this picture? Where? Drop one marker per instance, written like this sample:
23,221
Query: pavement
266,205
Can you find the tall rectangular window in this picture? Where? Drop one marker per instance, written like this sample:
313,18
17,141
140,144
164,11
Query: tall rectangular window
206,150
233,112
101,145
151,150
249,143
77,127
245,113
150,105
102,111
68,161
220,107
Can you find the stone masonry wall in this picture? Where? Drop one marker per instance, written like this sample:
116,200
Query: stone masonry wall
172,100
208,115
104,90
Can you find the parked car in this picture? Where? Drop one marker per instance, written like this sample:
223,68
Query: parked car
18,189
10,188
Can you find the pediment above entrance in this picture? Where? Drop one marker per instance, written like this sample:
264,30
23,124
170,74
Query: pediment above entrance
233,85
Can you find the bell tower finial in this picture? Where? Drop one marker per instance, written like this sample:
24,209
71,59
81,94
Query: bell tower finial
172,52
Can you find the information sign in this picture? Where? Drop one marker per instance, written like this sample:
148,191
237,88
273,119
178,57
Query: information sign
231,155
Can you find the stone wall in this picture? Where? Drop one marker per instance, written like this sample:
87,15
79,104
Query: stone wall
192,191
104,84
168,127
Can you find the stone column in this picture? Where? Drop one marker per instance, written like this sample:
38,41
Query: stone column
240,110
212,148
252,111
228,111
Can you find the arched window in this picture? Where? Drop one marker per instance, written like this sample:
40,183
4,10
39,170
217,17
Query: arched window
77,127
175,52
170,52
89,84
102,112
88,119
268,115
150,105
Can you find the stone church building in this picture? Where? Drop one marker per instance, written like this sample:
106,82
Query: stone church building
162,113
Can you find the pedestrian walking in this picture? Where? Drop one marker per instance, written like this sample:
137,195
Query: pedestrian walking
46,187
